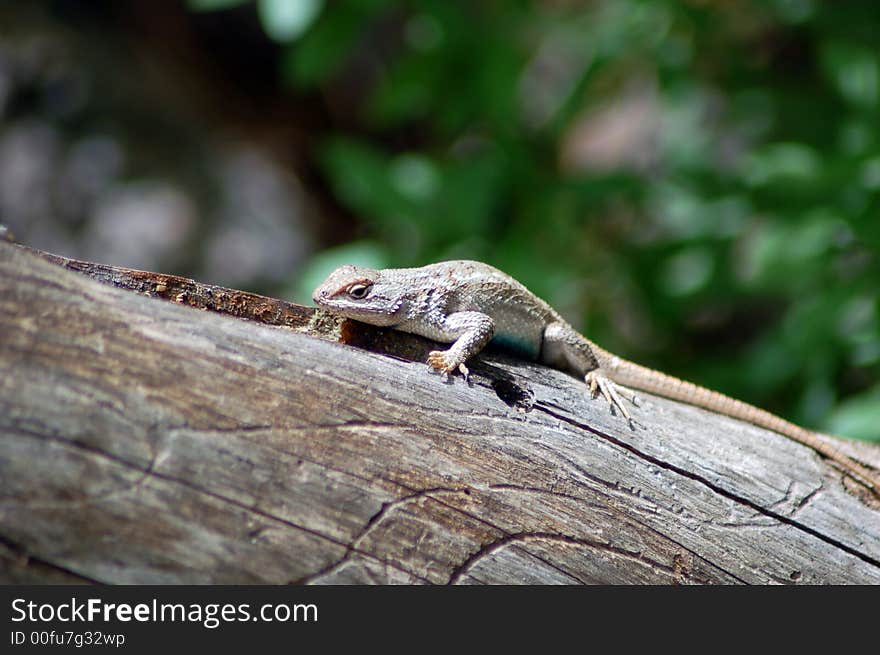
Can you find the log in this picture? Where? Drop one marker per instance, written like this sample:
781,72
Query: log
147,441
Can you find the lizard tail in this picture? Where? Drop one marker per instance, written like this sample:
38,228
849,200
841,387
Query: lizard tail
635,376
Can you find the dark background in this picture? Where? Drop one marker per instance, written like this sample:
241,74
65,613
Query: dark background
694,183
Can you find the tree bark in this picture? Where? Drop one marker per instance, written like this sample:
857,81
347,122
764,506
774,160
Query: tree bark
142,441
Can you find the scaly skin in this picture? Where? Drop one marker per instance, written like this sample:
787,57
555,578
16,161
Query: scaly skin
469,304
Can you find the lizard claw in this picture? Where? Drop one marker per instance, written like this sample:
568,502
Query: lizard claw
613,393
438,360
629,395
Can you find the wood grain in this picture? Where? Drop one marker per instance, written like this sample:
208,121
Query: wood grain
146,442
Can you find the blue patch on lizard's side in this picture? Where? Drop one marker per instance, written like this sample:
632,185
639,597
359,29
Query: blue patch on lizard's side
519,345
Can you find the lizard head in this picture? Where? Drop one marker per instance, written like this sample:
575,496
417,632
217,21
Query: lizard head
361,294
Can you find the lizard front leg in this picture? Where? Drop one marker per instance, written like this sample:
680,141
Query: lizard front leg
562,341
469,332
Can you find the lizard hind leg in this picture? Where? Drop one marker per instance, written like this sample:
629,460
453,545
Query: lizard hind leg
562,342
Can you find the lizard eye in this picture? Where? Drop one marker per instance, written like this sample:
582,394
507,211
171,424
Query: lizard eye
358,291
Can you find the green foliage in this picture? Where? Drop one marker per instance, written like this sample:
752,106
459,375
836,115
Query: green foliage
283,20
696,185
286,20
213,5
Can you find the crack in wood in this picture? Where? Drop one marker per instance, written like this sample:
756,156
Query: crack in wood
132,485
201,490
27,559
806,499
488,549
372,522
634,519
717,489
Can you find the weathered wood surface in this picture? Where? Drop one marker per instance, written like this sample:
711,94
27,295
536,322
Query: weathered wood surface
145,442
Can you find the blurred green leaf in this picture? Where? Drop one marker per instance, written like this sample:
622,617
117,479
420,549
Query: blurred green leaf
854,70
323,48
360,176
414,177
286,20
794,11
774,249
687,271
213,5
776,162
858,417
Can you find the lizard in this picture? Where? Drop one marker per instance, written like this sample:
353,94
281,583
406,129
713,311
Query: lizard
468,304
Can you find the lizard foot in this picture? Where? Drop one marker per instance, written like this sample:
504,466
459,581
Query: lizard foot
438,360
613,393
